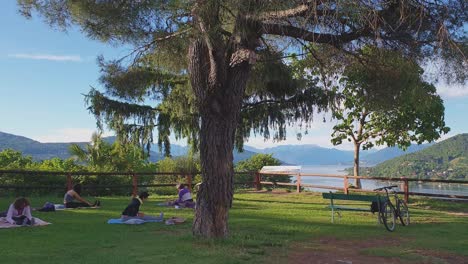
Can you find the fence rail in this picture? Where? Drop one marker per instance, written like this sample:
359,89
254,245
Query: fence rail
255,176
135,182
346,189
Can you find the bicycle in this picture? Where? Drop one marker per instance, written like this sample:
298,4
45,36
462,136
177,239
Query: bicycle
389,212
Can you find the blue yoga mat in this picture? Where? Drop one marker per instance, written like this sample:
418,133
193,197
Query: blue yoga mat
131,221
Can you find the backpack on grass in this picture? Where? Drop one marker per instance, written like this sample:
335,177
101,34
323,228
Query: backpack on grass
375,207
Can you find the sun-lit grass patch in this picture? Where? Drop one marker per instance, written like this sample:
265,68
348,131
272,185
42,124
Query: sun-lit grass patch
263,226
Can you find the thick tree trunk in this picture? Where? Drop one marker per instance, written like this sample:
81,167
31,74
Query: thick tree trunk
215,195
357,182
219,92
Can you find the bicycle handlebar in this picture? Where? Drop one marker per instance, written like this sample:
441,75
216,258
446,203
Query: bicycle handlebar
386,187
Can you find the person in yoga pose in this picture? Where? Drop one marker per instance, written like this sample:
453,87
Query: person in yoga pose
19,212
132,211
185,198
75,194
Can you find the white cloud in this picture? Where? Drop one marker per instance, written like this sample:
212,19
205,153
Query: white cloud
452,91
49,57
68,135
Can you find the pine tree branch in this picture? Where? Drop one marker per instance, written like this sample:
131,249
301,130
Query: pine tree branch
292,12
260,103
299,33
306,9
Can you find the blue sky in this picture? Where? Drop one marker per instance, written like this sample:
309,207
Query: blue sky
44,72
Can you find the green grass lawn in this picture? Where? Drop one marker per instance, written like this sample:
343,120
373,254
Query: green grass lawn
264,227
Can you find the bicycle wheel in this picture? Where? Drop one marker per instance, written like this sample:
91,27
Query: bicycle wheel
387,214
403,213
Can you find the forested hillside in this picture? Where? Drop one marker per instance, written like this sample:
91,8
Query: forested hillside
447,160
35,149
390,153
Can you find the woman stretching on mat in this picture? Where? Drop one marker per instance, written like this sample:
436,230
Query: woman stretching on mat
71,195
132,211
185,198
19,212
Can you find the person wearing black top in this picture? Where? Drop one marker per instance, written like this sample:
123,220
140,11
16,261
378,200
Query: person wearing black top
132,211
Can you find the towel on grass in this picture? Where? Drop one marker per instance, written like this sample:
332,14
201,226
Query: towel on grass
5,224
175,220
133,221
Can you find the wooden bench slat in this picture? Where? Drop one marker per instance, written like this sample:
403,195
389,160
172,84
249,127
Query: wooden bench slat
353,197
345,208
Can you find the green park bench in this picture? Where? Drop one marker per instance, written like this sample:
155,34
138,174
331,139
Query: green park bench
352,197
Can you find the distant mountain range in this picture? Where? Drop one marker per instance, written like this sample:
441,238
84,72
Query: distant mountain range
315,155
38,150
289,154
307,154
44,151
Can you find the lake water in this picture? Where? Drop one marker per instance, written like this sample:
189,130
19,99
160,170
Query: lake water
436,188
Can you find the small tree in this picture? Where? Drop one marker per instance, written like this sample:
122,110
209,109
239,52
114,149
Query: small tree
104,156
189,164
12,159
96,155
386,102
256,163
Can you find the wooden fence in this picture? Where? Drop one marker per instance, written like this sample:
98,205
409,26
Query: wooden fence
189,177
346,189
135,179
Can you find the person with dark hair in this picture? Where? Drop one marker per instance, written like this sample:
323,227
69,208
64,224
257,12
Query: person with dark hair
19,212
75,194
132,211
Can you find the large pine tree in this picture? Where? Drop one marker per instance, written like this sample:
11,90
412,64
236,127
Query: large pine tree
217,70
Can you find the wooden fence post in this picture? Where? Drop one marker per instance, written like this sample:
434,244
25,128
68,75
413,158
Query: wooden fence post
346,184
298,183
189,181
69,182
134,185
257,184
406,189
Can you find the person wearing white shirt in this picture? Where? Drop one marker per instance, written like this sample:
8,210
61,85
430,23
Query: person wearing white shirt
19,212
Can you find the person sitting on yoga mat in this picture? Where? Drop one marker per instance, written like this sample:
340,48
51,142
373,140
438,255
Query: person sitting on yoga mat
19,212
71,195
185,198
132,211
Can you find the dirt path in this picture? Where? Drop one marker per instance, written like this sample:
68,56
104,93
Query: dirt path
335,251
332,250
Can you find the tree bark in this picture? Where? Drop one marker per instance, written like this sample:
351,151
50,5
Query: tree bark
219,101
357,182
215,195
216,154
